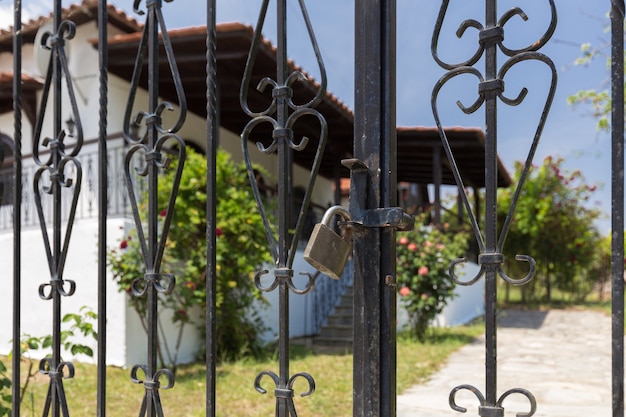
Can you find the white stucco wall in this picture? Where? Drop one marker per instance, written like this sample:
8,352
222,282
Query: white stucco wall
126,339
81,267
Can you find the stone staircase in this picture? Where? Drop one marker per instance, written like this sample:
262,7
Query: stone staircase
336,335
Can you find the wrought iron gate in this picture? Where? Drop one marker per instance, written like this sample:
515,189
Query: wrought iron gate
374,217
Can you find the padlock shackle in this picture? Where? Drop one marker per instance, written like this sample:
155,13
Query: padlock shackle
335,211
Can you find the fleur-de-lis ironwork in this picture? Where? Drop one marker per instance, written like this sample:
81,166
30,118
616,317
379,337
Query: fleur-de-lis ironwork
490,90
283,114
60,172
148,150
56,392
151,403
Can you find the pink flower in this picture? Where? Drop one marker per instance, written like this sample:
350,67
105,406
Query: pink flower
412,247
423,270
439,246
428,243
403,240
404,291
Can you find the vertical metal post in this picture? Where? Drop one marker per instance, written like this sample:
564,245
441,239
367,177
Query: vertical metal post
374,248
56,210
102,206
211,150
153,210
491,184
17,205
284,208
617,202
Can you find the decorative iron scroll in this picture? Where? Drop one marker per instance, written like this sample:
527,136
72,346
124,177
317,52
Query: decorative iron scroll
146,156
490,89
282,114
59,173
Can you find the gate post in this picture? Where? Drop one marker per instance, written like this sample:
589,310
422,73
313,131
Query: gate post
617,205
373,186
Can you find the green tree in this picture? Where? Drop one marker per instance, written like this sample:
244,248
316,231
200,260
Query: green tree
598,100
554,224
241,250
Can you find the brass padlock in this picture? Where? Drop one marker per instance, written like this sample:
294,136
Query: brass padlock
326,250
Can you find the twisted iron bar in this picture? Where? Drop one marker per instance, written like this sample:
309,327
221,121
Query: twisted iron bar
17,202
60,170
490,89
147,150
282,114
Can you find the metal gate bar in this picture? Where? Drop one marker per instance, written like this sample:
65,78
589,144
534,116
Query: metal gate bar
17,203
372,187
212,126
617,204
103,202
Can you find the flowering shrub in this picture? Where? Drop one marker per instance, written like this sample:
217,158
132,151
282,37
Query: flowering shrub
241,249
424,285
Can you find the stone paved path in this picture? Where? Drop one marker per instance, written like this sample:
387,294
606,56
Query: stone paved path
562,357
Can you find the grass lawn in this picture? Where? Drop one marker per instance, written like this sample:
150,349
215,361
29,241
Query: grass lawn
236,395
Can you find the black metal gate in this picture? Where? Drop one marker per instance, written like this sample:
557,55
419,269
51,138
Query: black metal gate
374,217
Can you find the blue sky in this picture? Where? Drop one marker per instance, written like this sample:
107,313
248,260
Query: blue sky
569,133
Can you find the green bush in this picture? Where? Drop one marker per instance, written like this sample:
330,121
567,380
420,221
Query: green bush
241,249
423,259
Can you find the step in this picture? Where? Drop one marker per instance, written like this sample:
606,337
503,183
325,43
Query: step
332,345
342,310
339,331
335,319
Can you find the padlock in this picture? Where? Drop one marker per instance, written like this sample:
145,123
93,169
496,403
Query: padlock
326,251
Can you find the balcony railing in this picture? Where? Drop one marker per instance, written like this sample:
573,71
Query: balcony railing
87,208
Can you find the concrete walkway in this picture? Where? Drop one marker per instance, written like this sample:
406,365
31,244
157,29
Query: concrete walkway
562,357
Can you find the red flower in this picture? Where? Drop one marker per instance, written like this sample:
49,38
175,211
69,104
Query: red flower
412,247
423,270
123,244
163,213
218,231
181,314
403,240
191,285
404,291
